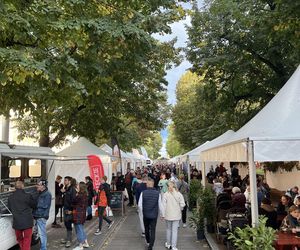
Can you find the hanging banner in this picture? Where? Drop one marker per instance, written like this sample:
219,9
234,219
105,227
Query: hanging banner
116,152
96,170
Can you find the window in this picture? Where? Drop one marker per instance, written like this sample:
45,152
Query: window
35,168
14,168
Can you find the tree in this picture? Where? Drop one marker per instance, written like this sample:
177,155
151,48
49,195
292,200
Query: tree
173,145
154,145
79,67
244,51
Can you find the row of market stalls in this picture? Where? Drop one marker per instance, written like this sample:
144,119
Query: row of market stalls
273,135
83,149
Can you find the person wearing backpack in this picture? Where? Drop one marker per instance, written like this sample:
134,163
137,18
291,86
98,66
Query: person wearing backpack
103,200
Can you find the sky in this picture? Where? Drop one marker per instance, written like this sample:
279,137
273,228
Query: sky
174,74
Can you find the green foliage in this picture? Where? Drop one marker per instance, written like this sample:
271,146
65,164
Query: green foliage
173,146
274,166
249,238
197,219
85,68
153,145
207,202
195,192
243,52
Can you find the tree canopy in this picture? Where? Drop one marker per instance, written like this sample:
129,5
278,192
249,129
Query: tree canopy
173,146
77,67
243,52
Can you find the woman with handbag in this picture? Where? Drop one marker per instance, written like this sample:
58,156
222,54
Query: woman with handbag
103,201
173,203
79,211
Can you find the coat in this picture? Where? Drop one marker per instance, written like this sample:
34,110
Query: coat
79,208
21,205
173,203
43,205
104,195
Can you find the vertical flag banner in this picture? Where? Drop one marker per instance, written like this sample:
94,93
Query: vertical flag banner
96,170
116,152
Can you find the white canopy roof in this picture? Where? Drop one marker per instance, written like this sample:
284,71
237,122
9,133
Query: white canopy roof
274,130
125,155
82,148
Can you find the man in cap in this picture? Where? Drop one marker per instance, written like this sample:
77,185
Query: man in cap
41,213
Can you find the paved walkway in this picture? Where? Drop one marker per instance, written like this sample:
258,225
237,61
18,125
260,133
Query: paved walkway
127,236
124,235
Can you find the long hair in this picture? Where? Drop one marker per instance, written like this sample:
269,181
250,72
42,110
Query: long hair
82,188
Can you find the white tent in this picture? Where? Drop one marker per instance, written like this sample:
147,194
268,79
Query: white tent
272,135
80,168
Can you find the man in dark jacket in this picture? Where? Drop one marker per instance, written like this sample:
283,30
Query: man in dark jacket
69,196
41,212
150,204
120,182
58,199
90,196
139,189
21,205
128,184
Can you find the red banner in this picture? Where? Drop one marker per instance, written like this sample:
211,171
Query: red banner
96,170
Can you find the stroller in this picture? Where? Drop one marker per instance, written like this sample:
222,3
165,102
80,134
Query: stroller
235,220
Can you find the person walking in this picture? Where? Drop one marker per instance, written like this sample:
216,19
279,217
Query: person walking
79,210
69,196
162,184
90,196
58,199
150,204
173,203
128,185
41,212
103,200
139,189
21,205
183,188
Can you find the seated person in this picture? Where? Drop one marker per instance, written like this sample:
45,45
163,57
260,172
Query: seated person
284,205
297,202
268,210
291,221
292,192
238,201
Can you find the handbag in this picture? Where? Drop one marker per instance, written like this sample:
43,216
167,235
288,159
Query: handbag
108,212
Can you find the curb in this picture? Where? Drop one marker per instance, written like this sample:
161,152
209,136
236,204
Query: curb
211,242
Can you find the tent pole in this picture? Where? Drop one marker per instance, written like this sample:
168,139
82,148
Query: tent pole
203,173
253,185
188,169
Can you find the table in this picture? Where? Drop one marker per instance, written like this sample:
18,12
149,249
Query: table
286,239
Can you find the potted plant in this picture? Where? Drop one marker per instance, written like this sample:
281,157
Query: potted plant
195,190
197,222
207,201
254,238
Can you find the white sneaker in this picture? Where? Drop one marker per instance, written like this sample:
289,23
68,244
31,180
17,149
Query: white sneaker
80,247
184,225
98,232
174,248
168,246
86,245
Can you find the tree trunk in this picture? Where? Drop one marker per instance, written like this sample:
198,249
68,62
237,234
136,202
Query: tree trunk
44,140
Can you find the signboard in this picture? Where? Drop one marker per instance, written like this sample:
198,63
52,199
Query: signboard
117,201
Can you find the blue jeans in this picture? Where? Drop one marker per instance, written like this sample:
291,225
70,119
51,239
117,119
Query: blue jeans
41,225
89,210
81,236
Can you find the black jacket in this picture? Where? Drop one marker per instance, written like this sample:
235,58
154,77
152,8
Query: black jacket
21,205
69,197
90,196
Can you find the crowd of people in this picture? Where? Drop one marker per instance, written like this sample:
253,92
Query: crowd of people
282,215
156,192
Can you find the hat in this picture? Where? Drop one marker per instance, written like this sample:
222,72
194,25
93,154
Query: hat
236,190
43,182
